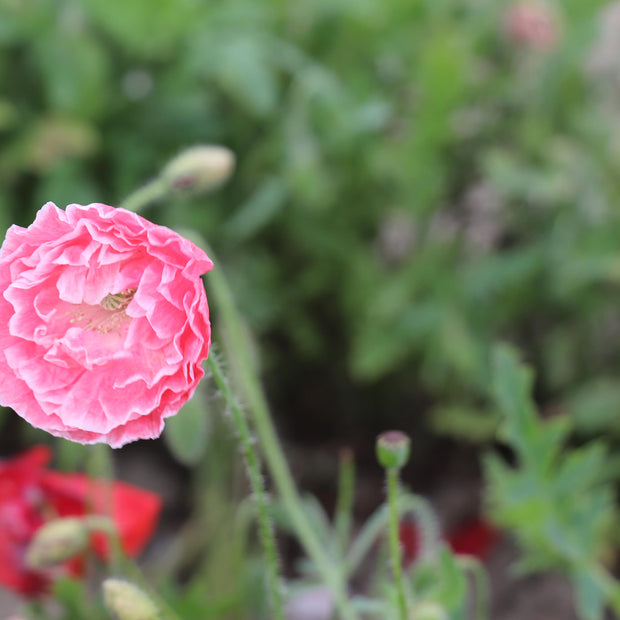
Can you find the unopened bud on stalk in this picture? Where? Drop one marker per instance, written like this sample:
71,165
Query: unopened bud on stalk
199,169
57,541
125,601
393,449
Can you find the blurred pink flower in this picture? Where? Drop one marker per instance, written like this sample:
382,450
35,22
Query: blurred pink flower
533,24
103,323
314,603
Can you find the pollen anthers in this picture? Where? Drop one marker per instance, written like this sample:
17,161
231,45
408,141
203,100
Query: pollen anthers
118,301
106,317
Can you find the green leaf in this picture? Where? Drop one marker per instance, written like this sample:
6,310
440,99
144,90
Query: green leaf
464,422
187,433
595,405
512,385
590,595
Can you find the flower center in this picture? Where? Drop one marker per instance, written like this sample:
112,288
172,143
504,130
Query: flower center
106,317
118,301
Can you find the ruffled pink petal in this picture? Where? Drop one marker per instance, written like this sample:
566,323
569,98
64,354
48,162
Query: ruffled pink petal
104,323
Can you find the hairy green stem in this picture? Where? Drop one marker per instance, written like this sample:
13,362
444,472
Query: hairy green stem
265,526
376,524
270,444
394,540
250,385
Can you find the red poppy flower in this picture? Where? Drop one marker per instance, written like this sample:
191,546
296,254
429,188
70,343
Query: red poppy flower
30,494
476,537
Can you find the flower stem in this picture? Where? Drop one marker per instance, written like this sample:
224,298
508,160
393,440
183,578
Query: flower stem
101,474
271,448
142,197
265,526
394,540
232,325
376,524
344,505
101,468
481,586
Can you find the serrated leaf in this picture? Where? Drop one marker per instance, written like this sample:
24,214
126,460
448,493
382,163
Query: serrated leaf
512,385
537,443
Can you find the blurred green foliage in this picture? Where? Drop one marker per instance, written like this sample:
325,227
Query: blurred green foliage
412,182
557,502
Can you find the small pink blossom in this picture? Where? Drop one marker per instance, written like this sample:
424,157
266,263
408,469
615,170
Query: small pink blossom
314,603
533,24
104,323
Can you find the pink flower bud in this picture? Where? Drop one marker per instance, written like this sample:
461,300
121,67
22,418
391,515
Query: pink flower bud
393,449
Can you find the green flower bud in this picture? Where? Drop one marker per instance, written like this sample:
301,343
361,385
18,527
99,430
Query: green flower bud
125,601
393,448
57,541
199,169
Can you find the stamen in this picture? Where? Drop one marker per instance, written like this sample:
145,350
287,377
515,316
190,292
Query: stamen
108,316
118,301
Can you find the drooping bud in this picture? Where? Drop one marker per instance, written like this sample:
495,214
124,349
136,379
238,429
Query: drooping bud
125,601
199,169
57,541
393,448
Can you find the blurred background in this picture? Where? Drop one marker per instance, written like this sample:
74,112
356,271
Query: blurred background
415,180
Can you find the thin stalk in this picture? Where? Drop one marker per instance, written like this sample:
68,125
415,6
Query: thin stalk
101,474
394,540
270,445
481,586
344,505
265,526
142,197
376,524
101,469
292,502
259,411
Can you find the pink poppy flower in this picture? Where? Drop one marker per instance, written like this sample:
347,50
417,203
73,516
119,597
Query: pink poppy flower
104,323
